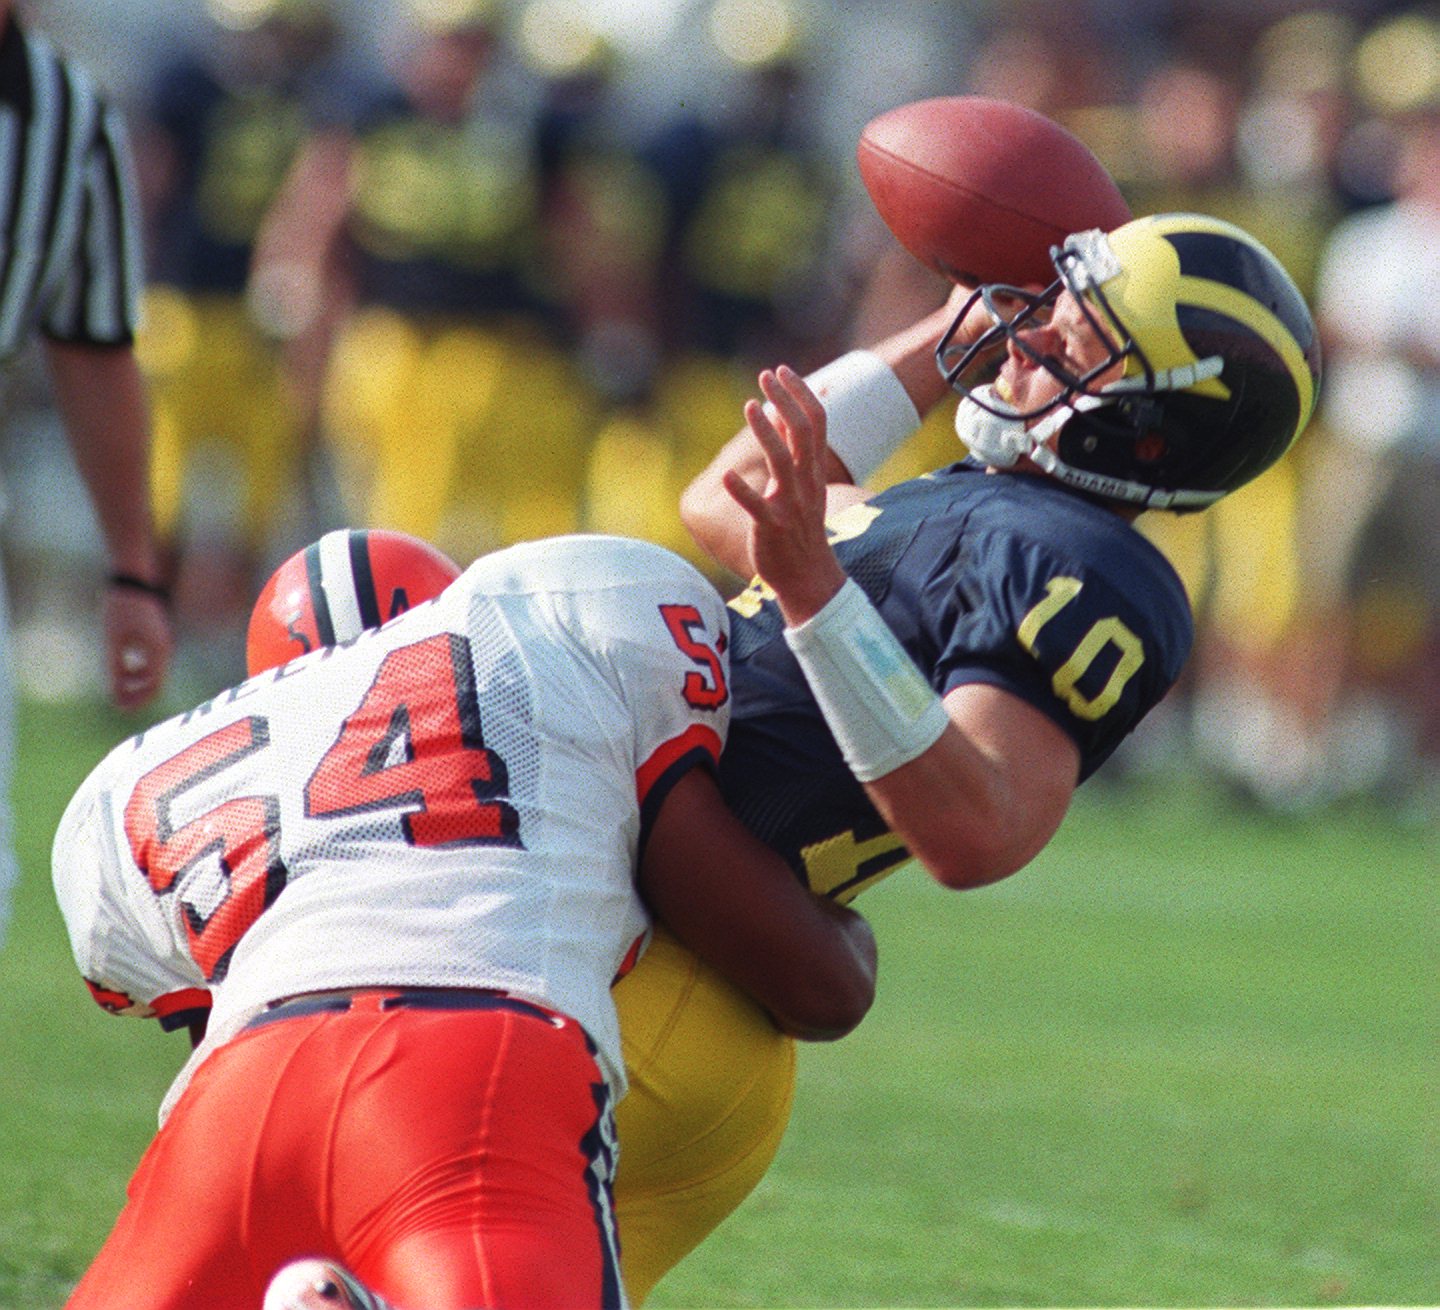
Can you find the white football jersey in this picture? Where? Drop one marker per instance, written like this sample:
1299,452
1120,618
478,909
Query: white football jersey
456,799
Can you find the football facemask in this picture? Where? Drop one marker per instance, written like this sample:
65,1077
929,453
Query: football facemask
1216,352
335,588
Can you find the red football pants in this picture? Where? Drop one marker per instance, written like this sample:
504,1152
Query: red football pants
452,1159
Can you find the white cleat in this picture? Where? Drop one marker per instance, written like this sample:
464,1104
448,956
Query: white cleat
320,1285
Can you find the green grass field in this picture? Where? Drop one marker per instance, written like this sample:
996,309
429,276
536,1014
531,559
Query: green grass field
1188,1058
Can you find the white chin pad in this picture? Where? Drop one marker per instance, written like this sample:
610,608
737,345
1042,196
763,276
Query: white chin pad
998,441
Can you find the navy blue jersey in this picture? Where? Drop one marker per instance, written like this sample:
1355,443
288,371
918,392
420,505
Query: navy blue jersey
1005,579
444,216
233,140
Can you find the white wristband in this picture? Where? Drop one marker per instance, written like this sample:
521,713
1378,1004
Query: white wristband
868,413
880,709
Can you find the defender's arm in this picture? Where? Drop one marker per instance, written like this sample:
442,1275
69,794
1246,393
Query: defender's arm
738,906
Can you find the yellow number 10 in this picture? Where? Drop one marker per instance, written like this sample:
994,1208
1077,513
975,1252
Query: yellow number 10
1103,632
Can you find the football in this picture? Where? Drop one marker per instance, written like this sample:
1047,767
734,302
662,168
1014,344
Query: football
980,189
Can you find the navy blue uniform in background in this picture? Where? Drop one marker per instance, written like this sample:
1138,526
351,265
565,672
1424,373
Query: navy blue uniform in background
1006,579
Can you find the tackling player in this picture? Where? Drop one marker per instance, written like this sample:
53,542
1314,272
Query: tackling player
405,868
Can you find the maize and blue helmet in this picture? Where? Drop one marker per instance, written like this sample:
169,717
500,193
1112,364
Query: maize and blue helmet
1221,365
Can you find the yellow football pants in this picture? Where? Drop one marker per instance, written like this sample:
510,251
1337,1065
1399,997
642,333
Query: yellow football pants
711,1085
470,434
216,382
1238,559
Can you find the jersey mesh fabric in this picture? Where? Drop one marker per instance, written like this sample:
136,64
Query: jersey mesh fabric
449,801
118,929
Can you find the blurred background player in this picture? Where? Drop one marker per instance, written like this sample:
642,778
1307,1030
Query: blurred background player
436,211
1360,709
70,274
743,230
433,837
1195,125
235,376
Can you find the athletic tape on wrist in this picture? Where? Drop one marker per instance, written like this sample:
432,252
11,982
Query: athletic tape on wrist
879,707
868,413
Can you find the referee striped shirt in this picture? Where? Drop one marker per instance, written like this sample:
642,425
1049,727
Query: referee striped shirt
70,256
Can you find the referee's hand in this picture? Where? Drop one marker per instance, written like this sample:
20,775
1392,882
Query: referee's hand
138,643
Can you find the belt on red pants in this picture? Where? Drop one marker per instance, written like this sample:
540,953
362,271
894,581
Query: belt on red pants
401,998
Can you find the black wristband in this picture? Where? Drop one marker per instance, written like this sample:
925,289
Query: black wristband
131,582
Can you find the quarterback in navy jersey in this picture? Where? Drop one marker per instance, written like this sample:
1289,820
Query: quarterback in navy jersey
932,671
1032,587
1008,601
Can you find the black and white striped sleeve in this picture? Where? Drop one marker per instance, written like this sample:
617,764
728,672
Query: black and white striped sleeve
96,297
72,262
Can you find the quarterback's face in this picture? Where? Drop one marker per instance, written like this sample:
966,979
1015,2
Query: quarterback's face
1068,341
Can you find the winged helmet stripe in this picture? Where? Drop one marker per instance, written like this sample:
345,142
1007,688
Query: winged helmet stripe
1270,329
1286,325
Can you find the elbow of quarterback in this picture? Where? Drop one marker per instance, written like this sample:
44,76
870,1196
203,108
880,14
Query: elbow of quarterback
978,847
972,869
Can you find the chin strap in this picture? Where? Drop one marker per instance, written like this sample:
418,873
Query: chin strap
1001,441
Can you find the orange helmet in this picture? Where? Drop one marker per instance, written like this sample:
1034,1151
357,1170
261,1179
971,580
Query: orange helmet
335,588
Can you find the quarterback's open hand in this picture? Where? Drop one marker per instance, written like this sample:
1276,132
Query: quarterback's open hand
138,646
788,545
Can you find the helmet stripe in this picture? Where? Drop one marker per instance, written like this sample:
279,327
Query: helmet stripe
364,577
1216,257
314,580
1208,259
339,585
1249,311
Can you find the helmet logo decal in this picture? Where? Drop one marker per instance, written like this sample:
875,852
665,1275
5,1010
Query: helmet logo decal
298,637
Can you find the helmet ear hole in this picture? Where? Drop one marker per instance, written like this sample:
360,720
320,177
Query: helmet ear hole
1150,448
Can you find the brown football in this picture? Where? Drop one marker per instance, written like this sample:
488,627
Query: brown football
980,189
